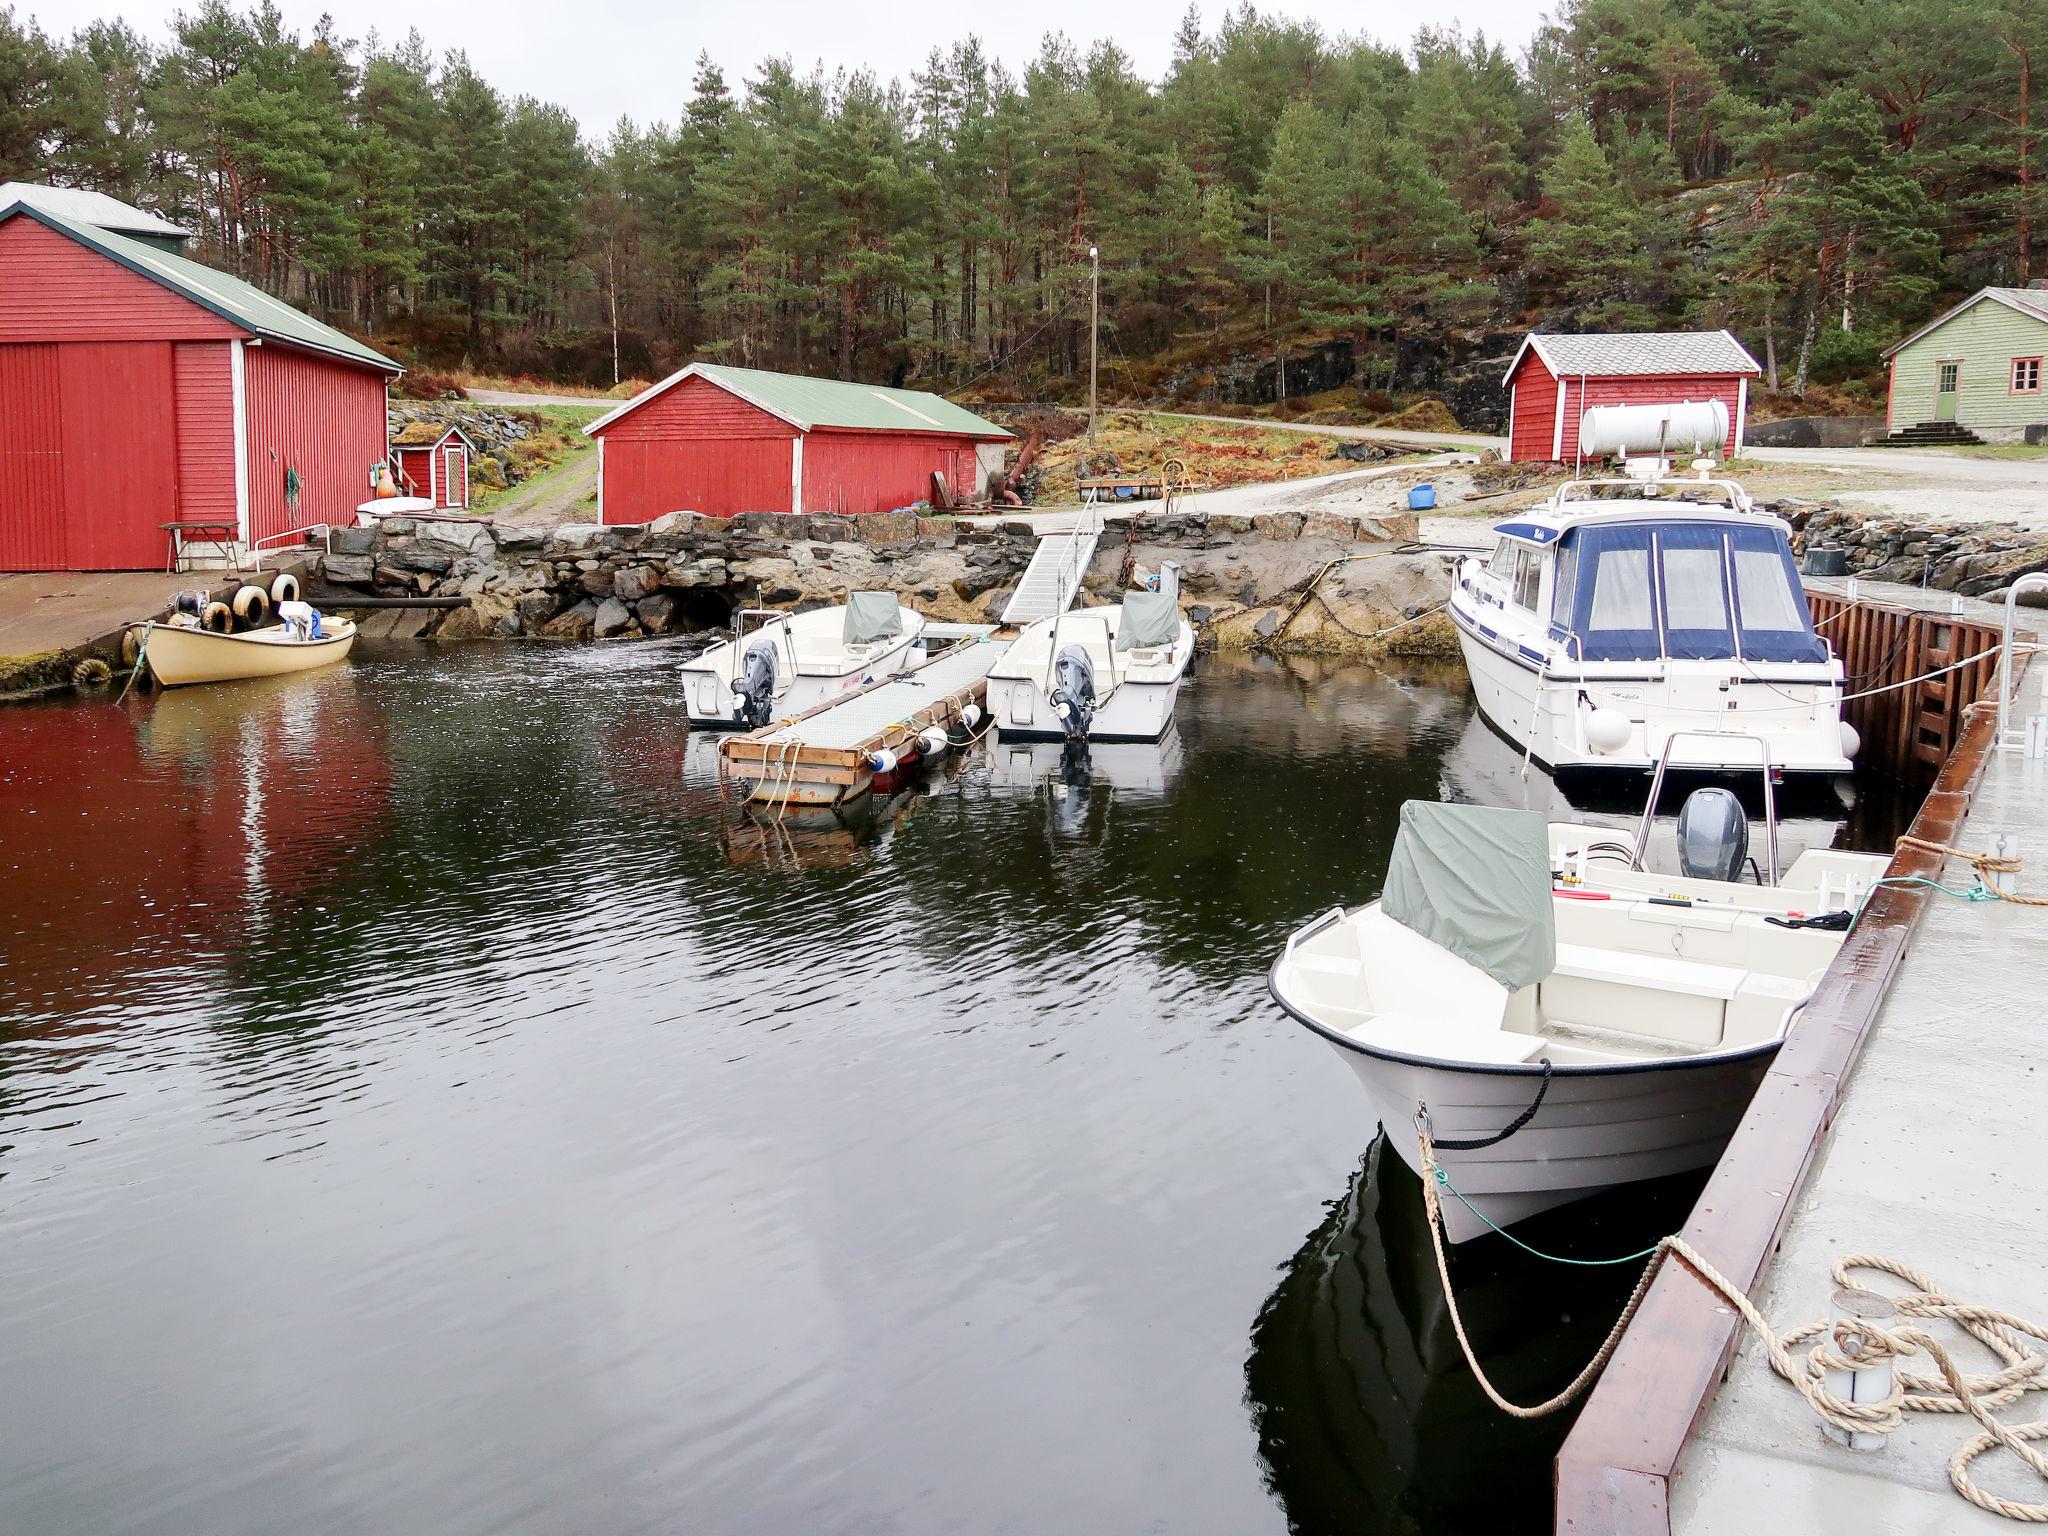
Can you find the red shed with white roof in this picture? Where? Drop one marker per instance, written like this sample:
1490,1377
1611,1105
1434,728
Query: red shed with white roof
1554,380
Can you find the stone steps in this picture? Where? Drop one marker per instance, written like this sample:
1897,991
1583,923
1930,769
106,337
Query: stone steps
1930,434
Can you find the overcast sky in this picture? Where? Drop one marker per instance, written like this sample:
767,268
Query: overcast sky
602,58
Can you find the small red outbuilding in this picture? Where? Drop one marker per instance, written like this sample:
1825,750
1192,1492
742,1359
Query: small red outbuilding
139,389
432,460
1555,380
725,440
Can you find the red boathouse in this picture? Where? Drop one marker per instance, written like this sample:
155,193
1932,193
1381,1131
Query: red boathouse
1555,380
725,440
139,389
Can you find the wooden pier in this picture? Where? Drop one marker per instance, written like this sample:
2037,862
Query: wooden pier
824,756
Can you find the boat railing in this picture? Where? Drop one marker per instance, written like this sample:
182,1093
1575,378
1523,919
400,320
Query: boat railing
767,617
1737,498
1309,929
2001,735
1765,766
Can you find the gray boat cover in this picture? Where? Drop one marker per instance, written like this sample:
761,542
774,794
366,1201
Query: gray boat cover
872,616
1151,620
1475,880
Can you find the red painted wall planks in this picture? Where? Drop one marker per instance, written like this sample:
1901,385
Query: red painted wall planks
696,448
881,471
1535,396
324,419
202,373
120,453
54,289
32,534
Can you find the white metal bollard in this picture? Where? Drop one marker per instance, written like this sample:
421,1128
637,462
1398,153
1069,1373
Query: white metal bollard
1865,1386
2004,846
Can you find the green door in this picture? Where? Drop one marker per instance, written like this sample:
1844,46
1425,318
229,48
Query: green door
1945,376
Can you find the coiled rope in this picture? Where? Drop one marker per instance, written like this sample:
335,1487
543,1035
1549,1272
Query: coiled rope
1853,1344
1986,865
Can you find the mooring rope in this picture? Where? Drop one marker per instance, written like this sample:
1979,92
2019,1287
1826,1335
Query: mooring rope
1852,1344
1985,864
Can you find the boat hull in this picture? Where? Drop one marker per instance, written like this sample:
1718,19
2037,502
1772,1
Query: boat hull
713,705
1541,715
1597,1127
180,657
1133,712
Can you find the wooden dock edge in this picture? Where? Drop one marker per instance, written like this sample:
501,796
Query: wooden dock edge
1613,1475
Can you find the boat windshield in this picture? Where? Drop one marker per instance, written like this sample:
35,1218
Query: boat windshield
1690,591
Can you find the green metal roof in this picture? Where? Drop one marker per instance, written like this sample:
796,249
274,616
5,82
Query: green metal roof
806,403
241,303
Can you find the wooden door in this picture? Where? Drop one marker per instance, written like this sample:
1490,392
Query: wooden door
31,461
455,469
120,453
1947,376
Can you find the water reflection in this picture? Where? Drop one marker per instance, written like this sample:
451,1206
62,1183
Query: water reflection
1367,1417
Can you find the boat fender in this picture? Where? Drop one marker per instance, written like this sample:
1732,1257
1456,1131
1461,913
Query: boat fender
970,715
252,605
217,617
933,741
1852,740
284,588
1607,730
881,761
131,647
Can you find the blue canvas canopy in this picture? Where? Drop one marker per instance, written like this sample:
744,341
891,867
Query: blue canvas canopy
1694,591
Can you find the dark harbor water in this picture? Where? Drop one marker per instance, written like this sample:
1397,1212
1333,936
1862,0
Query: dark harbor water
421,1110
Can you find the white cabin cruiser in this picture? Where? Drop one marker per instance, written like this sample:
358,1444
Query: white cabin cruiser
1626,610
790,662
1098,674
1531,978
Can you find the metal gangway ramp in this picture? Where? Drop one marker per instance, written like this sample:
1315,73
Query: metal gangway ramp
1052,580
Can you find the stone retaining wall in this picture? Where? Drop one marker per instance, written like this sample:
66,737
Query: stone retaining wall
688,572
1974,559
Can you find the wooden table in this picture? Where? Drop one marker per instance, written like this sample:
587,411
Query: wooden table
200,530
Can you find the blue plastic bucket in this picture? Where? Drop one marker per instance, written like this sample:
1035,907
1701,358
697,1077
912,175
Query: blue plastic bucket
1422,498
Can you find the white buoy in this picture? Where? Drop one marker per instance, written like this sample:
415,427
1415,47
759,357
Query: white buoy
933,740
1608,730
970,716
881,761
1852,740
1871,1385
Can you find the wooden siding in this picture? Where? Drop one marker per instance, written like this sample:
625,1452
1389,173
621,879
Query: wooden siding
120,453
324,419
54,289
1536,404
1984,339
31,461
1529,433
206,429
696,448
881,471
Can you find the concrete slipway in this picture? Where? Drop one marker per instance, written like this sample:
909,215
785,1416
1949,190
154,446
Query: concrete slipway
1939,1159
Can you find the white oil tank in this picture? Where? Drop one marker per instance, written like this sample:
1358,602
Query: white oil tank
1699,425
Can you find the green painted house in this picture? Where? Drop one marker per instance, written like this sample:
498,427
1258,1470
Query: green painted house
1979,367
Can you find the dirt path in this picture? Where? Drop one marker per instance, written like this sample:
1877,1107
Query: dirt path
513,397
565,494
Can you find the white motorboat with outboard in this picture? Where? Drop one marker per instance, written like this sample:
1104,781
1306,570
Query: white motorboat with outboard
777,665
1110,673
1560,1018
1625,610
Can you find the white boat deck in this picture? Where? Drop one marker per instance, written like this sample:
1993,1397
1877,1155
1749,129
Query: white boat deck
1935,1160
850,725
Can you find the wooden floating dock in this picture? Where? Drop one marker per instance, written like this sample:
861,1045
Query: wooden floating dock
821,756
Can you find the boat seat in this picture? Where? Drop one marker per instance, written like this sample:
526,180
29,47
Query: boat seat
1446,1039
1661,973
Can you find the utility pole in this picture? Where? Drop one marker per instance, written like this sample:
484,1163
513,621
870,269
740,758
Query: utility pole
1094,310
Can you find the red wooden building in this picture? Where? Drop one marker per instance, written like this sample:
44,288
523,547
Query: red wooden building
725,440
139,389
432,460
1554,380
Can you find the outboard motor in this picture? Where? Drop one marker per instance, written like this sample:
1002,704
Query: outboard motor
1713,835
756,685
1073,694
